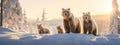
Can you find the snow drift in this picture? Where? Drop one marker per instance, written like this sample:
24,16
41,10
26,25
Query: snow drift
8,37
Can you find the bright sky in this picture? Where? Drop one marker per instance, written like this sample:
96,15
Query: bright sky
53,8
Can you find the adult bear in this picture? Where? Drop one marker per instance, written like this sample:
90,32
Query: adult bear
71,24
89,25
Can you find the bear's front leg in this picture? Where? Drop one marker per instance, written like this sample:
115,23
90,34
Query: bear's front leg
85,29
40,32
78,29
72,26
90,30
66,26
90,27
94,32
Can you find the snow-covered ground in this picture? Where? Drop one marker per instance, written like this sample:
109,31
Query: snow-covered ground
28,35
9,37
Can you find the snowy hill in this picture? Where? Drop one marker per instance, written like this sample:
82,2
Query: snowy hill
3,30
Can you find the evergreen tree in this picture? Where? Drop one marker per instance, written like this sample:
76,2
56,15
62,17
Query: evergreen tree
43,15
114,24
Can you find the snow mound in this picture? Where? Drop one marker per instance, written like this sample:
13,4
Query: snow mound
16,38
3,30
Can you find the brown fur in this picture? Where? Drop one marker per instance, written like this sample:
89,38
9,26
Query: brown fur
88,24
71,24
87,27
42,30
118,25
60,30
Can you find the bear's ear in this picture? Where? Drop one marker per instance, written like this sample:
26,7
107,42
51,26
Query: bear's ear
83,13
68,8
40,24
88,13
62,8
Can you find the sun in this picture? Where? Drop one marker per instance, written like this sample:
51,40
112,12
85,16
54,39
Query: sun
108,10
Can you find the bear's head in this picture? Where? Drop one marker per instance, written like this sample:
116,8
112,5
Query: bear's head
66,13
86,17
58,27
39,26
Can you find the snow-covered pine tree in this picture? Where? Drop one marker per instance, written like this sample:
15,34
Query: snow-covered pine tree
114,24
13,18
0,13
43,15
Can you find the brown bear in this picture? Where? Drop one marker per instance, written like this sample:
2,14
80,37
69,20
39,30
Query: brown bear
71,23
60,30
89,26
42,30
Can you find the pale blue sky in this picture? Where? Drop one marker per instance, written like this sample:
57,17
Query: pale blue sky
53,8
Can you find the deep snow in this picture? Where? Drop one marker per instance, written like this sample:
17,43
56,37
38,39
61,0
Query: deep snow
8,37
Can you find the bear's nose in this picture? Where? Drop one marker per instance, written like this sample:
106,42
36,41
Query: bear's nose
65,13
86,17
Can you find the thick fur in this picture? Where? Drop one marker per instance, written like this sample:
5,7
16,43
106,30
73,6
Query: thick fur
71,24
42,30
89,26
60,30
118,24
